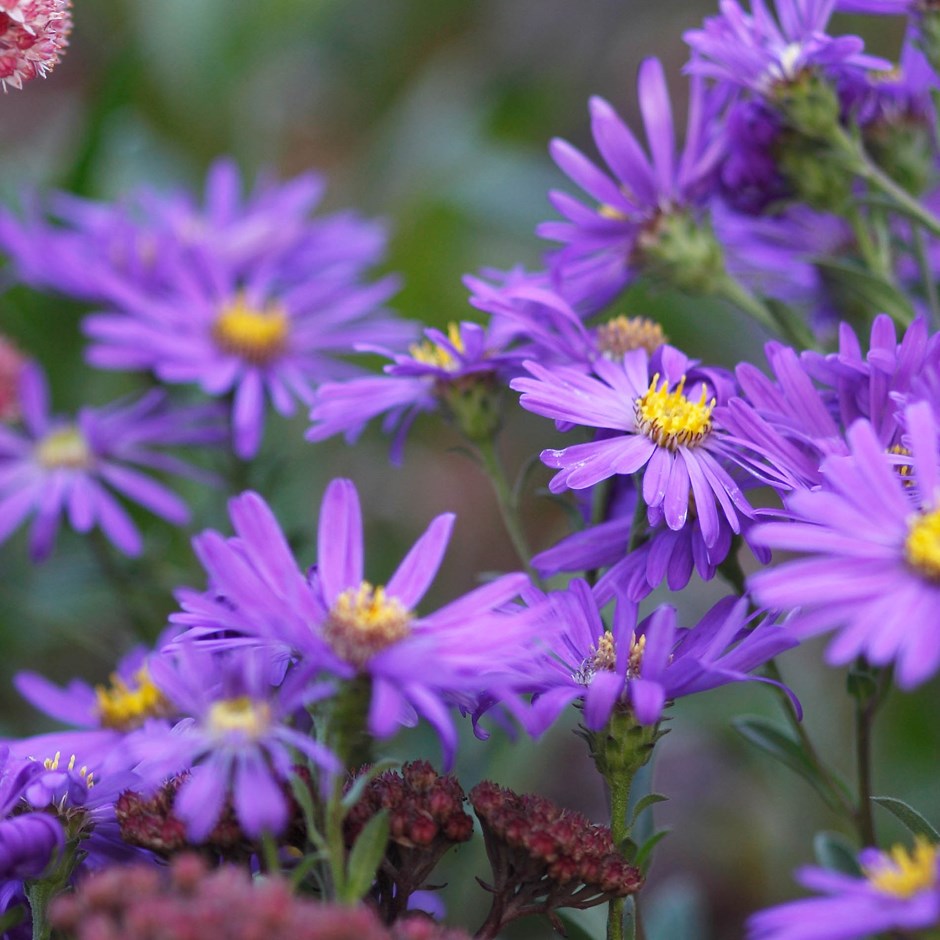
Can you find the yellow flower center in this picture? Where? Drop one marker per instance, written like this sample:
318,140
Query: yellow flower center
125,707
52,763
65,447
621,334
257,336
922,545
904,874
364,621
670,419
433,354
242,715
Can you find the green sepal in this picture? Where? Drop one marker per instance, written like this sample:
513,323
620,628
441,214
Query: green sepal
773,740
365,858
835,852
909,817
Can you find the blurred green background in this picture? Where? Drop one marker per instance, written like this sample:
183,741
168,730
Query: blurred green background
434,115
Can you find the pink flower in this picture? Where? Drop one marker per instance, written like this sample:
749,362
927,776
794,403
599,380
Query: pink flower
33,34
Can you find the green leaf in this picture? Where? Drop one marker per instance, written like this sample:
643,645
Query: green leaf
649,800
864,291
628,848
304,799
835,852
354,794
773,740
912,820
11,918
365,857
642,860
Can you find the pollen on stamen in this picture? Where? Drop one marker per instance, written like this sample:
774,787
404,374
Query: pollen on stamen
52,763
65,448
257,335
126,707
433,354
903,874
365,620
922,545
621,334
904,470
670,419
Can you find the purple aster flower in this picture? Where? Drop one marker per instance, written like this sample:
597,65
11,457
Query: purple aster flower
150,239
56,467
757,52
605,241
28,841
236,736
871,534
897,891
336,620
553,330
661,423
128,700
458,373
644,665
252,338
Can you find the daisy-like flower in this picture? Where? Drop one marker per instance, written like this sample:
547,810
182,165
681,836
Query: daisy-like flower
337,620
662,424
153,240
643,665
253,339
897,891
235,736
460,373
871,534
129,699
56,467
755,51
33,34
606,242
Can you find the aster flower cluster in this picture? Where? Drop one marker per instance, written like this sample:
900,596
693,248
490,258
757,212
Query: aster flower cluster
803,194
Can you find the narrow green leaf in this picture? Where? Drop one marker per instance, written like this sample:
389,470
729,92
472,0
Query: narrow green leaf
365,857
628,848
573,930
773,740
11,918
859,288
304,799
643,859
835,852
354,794
649,800
912,820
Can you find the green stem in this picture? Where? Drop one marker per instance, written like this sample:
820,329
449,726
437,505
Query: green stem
793,330
508,504
841,801
866,244
619,788
903,201
866,708
930,285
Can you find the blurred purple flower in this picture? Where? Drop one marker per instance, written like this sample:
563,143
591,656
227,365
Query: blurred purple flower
897,891
54,467
235,735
